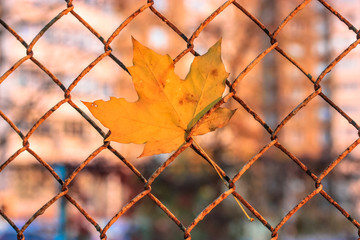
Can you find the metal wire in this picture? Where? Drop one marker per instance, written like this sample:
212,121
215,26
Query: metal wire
70,8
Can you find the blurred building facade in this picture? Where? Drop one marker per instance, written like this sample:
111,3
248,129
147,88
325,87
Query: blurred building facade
28,93
272,89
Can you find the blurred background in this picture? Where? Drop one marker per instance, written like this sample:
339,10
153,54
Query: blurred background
273,185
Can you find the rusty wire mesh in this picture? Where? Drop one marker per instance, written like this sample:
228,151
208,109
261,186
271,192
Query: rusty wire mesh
70,8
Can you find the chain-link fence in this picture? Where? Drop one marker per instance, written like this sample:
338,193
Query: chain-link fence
272,133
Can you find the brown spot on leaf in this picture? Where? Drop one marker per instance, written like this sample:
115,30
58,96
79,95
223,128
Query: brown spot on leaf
188,98
214,72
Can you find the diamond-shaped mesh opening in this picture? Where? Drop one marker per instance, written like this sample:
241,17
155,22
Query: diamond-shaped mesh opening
32,187
63,129
112,186
282,192
20,100
302,134
297,38
67,48
104,22
29,19
319,223
187,186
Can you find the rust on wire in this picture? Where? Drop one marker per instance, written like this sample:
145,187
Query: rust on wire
252,65
338,160
207,210
14,67
85,71
336,61
296,208
274,142
289,17
207,21
125,23
47,26
338,15
123,210
295,111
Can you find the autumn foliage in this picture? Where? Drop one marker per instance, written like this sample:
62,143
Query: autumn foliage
167,107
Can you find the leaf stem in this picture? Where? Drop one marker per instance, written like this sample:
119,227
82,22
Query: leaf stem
221,174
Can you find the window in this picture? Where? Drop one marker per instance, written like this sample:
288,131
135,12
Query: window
44,129
73,128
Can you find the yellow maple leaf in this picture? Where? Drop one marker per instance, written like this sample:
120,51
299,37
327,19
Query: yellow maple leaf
168,107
